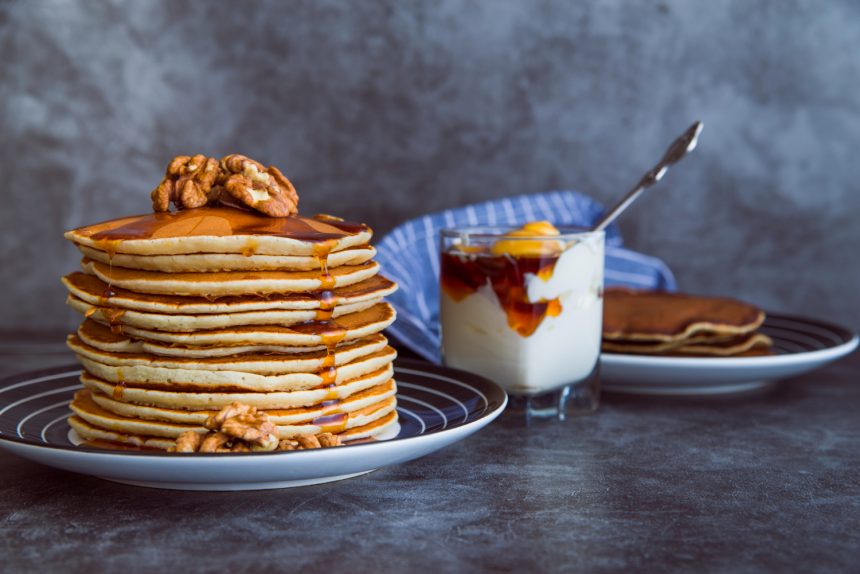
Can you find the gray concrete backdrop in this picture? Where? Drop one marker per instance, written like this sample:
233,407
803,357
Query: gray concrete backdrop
383,110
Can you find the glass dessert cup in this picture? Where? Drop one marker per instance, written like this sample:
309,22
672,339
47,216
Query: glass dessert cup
524,308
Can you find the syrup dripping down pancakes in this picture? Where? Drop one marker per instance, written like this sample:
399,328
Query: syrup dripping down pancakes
188,312
676,324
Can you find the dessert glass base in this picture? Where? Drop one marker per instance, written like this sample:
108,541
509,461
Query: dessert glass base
575,399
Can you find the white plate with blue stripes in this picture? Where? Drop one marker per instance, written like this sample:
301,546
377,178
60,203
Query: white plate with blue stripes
437,406
800,345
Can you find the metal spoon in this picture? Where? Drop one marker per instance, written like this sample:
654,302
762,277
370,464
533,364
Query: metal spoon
679,148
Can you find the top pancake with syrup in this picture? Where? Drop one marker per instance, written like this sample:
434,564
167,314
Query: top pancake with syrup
658,316
220,230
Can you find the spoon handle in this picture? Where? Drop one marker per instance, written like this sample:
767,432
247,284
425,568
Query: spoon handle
679,148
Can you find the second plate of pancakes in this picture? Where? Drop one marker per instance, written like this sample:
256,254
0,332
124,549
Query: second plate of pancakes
799,345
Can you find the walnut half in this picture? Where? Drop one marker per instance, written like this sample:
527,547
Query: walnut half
189,182
189,441
245,423
265,189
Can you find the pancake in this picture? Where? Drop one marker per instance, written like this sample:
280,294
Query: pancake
387,425
87,409
731,347
649,347
260,363
216,284
355,326
214,400
201,322
122,371
753,344
229,261
354,402
382,426
220,230
93,290
102,337
658,316
88,433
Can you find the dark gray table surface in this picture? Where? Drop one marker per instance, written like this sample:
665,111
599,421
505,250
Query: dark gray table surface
757,483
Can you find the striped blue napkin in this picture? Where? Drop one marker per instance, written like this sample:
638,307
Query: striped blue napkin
410,256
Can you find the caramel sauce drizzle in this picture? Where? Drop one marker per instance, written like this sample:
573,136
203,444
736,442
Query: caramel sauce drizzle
109,246
331,333
327,283
330,405
328,373
327,303
321,252
330,338
112,314
335,423
250,247
119,388
464,273
104,299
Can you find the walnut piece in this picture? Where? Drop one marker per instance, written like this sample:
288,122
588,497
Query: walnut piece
247,424
303,442
255,430
265,189
215,442
243,428
328,439
215,421
287,444
308,441
189,441
188,183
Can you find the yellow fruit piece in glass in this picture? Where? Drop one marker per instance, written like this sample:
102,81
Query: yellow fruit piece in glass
526,248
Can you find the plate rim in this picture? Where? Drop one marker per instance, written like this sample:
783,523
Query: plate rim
834,352
409,363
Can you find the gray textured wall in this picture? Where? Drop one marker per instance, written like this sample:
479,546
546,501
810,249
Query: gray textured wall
382,110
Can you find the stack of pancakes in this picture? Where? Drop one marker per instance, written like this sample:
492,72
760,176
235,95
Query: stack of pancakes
675,324
188,312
